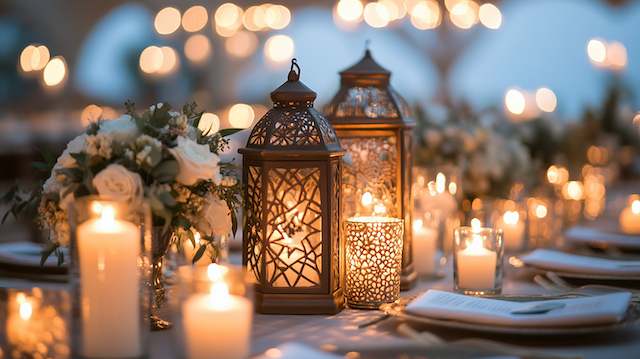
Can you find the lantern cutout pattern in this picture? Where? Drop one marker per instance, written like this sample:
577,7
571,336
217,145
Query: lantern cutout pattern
374,125
292,167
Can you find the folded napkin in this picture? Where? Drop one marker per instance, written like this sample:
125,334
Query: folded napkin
295,351
555,260
610,308
588,235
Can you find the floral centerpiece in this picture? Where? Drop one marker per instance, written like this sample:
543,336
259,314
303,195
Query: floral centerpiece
160,156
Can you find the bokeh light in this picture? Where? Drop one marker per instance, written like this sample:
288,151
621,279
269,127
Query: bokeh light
91,113
195,18
349,10
515,101
242,44
151,59
376,15
426,15
546,99
169,62
34,58
279,48
197,48
277,17
241,115
597,51
167,21
228,19
395,8
616,56
55,71
464,14
253,18
209,123
490,16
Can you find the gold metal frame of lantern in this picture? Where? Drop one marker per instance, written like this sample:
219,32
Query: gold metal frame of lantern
375,127
292,167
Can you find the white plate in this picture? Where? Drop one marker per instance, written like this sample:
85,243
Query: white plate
601,238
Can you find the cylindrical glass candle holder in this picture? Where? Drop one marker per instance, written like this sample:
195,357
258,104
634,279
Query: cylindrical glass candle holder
213,312
427,247
511,217
374,260
34,323
110,273
477,260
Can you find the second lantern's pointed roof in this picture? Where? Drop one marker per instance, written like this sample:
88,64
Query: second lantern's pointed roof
367,66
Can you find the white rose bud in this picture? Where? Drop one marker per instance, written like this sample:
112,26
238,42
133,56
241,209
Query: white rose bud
214,218
118,183
195,162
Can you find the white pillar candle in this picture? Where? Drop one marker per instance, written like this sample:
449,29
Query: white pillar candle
513,229
630,218
476,266
217,325
424,248
108,251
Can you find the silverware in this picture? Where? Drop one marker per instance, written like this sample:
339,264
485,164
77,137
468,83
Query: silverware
552,282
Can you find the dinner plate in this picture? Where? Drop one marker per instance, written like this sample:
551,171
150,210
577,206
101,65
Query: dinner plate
602,236
23,259
585,276
397,310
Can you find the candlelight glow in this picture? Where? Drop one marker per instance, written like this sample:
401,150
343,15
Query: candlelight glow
597,51
417,224
573,190
197,48
453,188
195,18
546,99
379,209
367,199
557,175
476,224
209,123
511,217
279,48
242,44
216,272
541,211
55,72
441,180
514,101
426,15
376,15
635,207
25,310
490,16
167,21
241,115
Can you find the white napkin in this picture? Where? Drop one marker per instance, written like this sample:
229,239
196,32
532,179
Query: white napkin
555,260
296,351
610,308
588,235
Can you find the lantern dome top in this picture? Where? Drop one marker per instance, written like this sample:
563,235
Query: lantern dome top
366,67
293,127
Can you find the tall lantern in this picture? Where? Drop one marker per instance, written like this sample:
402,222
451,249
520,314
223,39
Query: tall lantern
292,167
375,126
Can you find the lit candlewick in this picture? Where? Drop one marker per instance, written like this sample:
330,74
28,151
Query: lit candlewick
475,265
513,229
630,216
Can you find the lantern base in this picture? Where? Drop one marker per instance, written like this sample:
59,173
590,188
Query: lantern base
408,278
270,303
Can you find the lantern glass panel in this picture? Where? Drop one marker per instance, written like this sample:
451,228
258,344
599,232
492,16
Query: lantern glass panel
370,102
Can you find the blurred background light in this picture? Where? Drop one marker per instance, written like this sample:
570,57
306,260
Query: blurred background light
197,48
464,14
209,123
195,18
515,101
228,19
426,15
242,44
597,51
151,59
490,16
546,99
170,61
376,15
55,72
277,17
241,115
167,21
279,48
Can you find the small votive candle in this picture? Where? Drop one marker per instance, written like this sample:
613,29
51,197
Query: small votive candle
425,248
513,227
477,260
374,260
630,216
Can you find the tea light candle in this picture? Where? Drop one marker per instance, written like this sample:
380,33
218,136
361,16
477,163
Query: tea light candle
217,324
630,218
475,264
424,248
108,251
373,260
513,229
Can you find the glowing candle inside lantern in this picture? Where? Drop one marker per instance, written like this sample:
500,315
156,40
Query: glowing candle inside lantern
189,250
217,324
513,229
108,251
425,241
476,265
630,218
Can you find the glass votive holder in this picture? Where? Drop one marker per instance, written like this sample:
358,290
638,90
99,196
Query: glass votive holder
35,323
427,247
213,312
511,217
477,260
373,260
110,274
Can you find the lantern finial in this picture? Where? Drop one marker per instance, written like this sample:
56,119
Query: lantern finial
293,75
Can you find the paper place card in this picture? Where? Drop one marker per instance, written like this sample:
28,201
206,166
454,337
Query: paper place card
561,261
610,308
587,235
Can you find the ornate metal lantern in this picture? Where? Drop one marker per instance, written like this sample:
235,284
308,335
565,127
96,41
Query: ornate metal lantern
374,125
292,168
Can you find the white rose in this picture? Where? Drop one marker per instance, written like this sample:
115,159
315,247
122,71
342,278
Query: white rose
195,161
51,185
123,129
214,218
76,145
118,183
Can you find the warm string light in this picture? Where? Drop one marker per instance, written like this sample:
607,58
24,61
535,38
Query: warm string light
197,48
209,123
55,72
279,49
167,21
520,104
158,60
241,115
607,55
195,18
242,44
557,175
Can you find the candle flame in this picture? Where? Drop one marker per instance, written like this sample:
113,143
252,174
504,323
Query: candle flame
511,217
573,190
417,224
216,272
453,188
25,310
367,199
541,211
441,181
379,209
476,225
635,207
219,295
196,237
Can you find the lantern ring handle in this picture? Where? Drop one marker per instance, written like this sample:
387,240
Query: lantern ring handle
293,75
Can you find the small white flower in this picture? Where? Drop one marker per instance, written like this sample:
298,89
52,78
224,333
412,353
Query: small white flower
99,145
118,183
77,145
123,129
195,161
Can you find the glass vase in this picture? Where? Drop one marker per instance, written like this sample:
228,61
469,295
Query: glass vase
478,260
110,272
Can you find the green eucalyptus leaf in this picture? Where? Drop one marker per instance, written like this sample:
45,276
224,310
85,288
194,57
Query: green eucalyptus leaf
199,253
229,131
166,171
167,199
46,252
